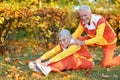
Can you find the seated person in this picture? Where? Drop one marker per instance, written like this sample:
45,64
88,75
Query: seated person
65,56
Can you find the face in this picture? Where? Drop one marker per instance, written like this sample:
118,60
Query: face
85,16
64,41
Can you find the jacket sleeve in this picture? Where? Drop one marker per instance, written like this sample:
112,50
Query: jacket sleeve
78,32
99,35
70,50
51,53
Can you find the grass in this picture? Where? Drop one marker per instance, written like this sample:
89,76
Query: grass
18,66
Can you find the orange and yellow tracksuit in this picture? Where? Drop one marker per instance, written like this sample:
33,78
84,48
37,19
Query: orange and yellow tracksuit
100,33
73,57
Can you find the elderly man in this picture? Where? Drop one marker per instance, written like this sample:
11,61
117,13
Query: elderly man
98,32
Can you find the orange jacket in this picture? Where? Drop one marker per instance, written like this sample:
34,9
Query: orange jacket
99,31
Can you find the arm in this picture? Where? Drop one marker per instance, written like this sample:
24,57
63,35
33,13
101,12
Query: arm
51,53
70,50
99,35
78,32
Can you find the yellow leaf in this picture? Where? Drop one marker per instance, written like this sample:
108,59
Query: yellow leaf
36,75
7,59
13,68
17,76
2,39
84,79
3,33
119,35
9,76
1,20
20,62
50,45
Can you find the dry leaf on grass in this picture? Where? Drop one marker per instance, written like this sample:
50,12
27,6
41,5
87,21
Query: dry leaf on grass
63,73
115,76
26,62
87,73
16,74
84,79
17,61
36,75
7,59
105,76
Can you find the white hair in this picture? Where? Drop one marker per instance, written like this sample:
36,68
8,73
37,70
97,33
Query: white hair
84,8
65,33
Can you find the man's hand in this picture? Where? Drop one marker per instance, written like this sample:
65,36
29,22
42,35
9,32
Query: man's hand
79,42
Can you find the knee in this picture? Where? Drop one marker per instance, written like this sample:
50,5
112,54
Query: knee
106,65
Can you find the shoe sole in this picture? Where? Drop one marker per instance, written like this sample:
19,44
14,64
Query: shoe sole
41,68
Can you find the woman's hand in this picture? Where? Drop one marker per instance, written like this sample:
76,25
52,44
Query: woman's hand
38,60
46,63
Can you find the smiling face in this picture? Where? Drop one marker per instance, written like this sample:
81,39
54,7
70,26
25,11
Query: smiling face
64,41
85,16
85,13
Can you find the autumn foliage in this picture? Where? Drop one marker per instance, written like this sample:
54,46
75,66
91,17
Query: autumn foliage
29,25
32,24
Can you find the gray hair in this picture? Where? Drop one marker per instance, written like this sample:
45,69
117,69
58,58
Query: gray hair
65,33
84,8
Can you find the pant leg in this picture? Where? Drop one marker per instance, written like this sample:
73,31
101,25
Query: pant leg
83,64
71,62
108,52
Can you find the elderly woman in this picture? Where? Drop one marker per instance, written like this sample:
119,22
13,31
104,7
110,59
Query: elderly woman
64,56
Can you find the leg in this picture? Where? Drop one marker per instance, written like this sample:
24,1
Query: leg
108,59
83,64
66,63
71,62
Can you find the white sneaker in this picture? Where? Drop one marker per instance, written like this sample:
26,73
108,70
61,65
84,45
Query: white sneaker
44,69
32,65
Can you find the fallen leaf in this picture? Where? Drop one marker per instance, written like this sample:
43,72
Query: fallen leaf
84,79
115,76
21,78
108,69
6,53
16,61
27,61
18,49
25,54
7,59
105,76
66,77
13,69
36,75
87,74
63,73
20,62
17,76
12,74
